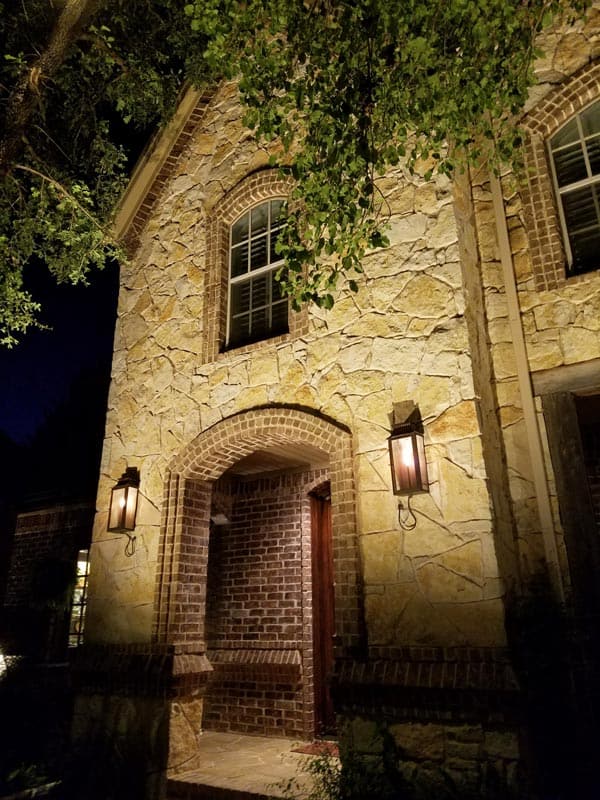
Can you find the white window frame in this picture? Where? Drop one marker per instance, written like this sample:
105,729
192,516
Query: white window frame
575,186
250,275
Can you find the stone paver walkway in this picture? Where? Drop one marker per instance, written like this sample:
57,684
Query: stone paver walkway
238,767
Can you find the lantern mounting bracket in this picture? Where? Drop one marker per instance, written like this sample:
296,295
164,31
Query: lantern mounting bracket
406,516
130,546
406,418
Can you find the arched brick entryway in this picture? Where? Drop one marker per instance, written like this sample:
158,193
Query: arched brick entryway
180,608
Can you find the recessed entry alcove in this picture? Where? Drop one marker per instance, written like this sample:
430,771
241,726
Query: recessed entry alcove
259,568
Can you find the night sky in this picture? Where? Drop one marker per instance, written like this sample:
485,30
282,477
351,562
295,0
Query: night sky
37,375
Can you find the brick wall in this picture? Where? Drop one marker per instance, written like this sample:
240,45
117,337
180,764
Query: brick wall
259,610
192,475
42,563
547,253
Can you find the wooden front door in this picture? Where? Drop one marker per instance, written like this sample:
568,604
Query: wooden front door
323,607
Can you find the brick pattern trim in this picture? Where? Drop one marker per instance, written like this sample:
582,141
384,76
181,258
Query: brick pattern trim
254,189
539,202
139,670
444,684
259,657
180,594
136,227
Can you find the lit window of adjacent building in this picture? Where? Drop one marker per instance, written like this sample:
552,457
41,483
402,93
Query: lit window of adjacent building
575,157
257,309
79,602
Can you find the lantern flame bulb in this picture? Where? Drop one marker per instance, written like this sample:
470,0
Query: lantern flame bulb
407,453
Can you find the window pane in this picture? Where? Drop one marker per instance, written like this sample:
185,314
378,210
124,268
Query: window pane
580,208
239,231
276,208
239,329
275,232
570,165
258,253
279,317
240,297
260,219
260,290
276,293
566,135
582,216
259,325
593,148
256,306
239,260
79,600
590,120
585,246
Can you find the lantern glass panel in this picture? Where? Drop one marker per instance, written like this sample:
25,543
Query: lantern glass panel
118,502
422,462
409,469
123,507
130,508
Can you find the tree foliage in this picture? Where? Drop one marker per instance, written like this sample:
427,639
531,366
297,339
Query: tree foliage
82,83
349,87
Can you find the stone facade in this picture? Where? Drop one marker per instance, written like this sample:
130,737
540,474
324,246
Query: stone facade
447,316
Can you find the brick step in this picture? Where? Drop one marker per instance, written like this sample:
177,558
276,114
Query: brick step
184,790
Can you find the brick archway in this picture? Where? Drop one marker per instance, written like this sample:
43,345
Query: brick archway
180,593
539,201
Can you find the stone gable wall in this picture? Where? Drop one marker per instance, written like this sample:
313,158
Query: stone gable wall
402,336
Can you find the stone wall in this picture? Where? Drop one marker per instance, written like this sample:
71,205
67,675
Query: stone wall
420,612
559,316
402,336
441,761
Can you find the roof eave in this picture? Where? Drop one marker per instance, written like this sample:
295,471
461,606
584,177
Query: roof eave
151,162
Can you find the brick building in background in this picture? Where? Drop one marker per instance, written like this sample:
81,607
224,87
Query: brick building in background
272,584
47,511
46,589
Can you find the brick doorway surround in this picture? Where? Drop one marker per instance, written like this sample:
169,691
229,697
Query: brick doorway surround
194,488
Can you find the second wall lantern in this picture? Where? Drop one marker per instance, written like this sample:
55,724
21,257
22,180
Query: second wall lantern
407,451
123,502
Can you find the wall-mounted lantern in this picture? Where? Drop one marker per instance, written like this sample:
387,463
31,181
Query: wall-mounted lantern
123,502
407,456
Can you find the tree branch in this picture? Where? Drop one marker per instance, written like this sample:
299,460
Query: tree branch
24,97
64,191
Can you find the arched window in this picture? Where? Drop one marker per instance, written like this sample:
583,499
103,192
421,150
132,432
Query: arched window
256,307
575,158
